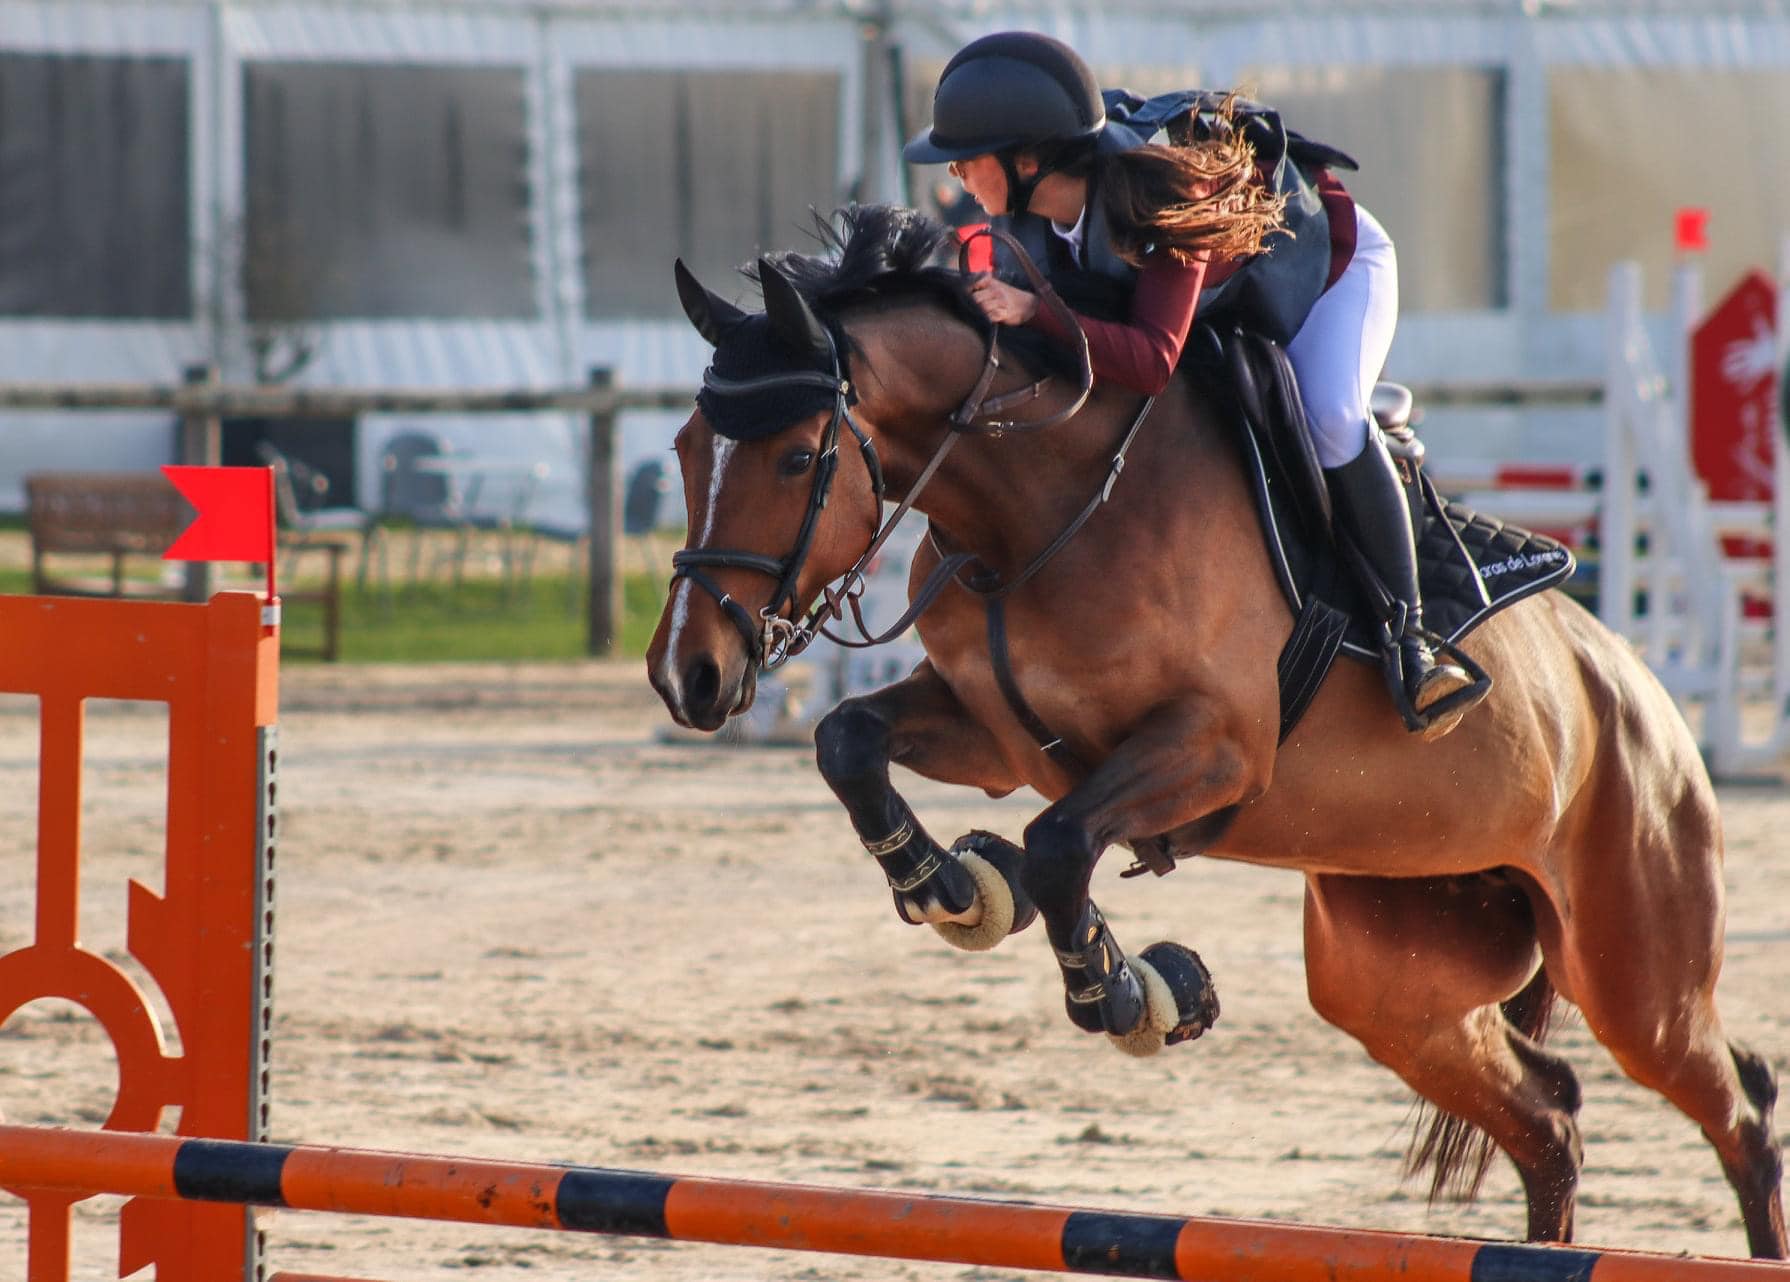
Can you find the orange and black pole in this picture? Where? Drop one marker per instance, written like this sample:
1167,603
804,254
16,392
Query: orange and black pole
801,1217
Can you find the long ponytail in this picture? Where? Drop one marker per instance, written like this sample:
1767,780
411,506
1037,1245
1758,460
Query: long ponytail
1191,198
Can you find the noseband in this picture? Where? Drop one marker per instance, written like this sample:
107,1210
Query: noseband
772,638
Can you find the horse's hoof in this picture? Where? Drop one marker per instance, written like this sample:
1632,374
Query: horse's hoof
1180,1001
1195,1006
1160,1014
993,863
997,909
941,889
1006,859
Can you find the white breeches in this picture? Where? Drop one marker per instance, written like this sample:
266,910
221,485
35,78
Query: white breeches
1339,352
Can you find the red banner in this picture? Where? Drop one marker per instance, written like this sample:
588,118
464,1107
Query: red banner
1734,385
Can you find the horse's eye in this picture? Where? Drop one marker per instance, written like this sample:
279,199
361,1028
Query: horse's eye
796,462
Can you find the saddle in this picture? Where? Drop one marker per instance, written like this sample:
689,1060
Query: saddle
1470,565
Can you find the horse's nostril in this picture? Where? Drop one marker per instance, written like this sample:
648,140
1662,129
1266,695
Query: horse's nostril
702,683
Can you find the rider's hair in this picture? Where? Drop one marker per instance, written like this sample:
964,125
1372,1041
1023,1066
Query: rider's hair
1187,199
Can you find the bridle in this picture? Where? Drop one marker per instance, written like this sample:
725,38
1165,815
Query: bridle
773,638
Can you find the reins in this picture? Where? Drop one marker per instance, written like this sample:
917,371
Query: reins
773,639
976,403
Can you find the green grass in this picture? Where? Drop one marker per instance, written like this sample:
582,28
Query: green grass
476,620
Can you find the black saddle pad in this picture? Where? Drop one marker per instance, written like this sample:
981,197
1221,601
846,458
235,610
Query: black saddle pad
1487,565
1470,565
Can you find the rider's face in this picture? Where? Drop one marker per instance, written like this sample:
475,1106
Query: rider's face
984,179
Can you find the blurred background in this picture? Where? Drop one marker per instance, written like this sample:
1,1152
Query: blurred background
490,193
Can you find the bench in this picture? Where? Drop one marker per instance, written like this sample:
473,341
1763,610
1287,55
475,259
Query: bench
118,515
123,515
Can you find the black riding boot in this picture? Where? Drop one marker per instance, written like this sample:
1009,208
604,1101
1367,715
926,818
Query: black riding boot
1369,497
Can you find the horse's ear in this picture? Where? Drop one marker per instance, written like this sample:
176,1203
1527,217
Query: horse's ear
792,320
710,313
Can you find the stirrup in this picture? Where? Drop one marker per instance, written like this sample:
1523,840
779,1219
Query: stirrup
1445,711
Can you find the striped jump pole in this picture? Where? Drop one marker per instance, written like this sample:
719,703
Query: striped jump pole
798,1217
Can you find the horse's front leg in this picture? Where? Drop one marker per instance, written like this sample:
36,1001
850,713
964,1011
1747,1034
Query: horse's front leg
969,893
1178,767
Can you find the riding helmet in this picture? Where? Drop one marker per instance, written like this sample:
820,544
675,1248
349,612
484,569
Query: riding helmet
1007,90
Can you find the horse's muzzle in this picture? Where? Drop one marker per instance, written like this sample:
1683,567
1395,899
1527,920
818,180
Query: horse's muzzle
705,690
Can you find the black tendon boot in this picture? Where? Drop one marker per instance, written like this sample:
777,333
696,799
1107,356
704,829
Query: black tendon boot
1430,693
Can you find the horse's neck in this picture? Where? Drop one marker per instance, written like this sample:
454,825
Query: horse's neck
1005,498
999,495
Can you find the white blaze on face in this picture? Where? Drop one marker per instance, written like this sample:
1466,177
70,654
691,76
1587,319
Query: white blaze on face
720,454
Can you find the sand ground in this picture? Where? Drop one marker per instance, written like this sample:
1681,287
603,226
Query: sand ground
515,923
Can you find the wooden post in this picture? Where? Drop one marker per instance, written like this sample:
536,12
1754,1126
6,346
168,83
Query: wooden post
602,486
201,445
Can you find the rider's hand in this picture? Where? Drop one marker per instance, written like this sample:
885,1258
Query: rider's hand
1002,303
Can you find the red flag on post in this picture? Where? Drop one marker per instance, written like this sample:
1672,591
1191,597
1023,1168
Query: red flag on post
235,520
1690,230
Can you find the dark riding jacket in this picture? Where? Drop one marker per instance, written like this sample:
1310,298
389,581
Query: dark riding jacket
1270,292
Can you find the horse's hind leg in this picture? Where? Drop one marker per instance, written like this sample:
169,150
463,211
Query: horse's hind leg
918,723
1726,1089
1416,970
1640,956
1758,1179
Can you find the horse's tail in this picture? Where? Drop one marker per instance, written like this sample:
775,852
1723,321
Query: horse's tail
1457,1153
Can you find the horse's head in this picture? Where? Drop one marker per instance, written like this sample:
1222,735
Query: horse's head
776,508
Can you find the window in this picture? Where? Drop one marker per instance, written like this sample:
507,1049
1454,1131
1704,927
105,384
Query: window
95,214
1631,146
712,166
386,191
1429,141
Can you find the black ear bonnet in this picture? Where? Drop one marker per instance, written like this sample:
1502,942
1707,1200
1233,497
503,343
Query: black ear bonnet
749,349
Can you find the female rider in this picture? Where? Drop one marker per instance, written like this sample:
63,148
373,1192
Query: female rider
1021,122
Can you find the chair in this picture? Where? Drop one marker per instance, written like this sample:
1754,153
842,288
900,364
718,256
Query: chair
427,499
299,491
648,485
575,538
499,500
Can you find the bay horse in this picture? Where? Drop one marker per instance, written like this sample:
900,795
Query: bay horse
1563,839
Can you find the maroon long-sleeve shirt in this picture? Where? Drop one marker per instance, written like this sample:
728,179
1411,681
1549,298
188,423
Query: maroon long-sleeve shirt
1141,352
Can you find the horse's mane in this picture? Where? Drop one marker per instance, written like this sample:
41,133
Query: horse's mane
875,252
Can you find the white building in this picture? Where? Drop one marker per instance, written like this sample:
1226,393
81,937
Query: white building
490,192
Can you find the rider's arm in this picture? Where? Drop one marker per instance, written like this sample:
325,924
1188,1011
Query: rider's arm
1142,351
